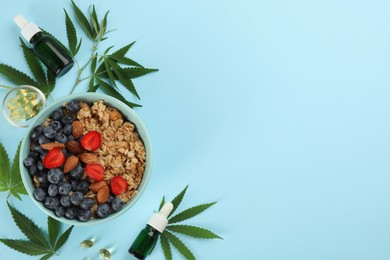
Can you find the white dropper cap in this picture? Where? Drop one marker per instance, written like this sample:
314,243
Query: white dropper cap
159,220
28,29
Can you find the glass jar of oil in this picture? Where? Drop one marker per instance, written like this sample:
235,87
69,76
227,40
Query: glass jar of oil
21,104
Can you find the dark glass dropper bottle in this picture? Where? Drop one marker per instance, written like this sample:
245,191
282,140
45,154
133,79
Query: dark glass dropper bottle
45,47
147,238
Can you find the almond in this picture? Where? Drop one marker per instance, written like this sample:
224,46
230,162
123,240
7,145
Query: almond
52,145
78,129
88,158
102,195
74,147
115,114
70,163
96,186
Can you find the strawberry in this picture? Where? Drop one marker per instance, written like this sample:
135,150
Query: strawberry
118,185
94,171
53,159
91,141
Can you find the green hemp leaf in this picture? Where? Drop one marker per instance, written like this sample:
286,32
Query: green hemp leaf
38,242
10,180
168,239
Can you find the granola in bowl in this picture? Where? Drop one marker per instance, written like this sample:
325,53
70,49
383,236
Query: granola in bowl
122,152
86,161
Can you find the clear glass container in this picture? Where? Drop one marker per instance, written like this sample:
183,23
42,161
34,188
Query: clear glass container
22,104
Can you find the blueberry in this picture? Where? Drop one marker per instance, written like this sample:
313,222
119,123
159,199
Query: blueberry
43,154
57,114
39,149
66,119
64,188
55,176
33,170
42,139
34,155
84,215
42,177
70,138
67,129
83,187
52,190
37,131
56,125
66,153
34,136
87,203
77,172
49,132
71,213
51,202
73,184
40,165
65,201
39,128
73,106
76,198
117,204
111,199
60,211
61,138
39,194
103,210
28,162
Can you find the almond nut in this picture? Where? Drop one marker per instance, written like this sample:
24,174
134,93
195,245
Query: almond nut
74,147
52,145
96,186
88,158
102,195
70,163
78,129
115,114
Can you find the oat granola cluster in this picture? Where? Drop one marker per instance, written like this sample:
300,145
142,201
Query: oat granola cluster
122,152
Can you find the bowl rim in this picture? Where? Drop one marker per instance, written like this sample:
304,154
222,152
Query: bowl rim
134,119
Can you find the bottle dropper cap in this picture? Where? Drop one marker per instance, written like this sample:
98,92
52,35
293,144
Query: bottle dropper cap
159,220
28,30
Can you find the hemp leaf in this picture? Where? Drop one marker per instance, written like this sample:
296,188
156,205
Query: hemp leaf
168,238
10,179
72,35
37,243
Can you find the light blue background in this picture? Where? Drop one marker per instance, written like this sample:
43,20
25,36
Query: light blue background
276,109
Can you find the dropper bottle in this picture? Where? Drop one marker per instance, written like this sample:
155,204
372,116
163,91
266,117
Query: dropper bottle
147,238
45,47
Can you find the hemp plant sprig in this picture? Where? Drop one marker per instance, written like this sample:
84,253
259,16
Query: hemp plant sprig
105,68
168,237
38,242
10,179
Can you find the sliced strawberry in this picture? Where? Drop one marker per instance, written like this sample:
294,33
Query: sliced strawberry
118,185
95,171
53,159
91,141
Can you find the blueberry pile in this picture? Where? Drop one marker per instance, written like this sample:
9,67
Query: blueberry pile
60,192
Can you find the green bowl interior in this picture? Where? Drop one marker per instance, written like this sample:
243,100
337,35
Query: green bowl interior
127,112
